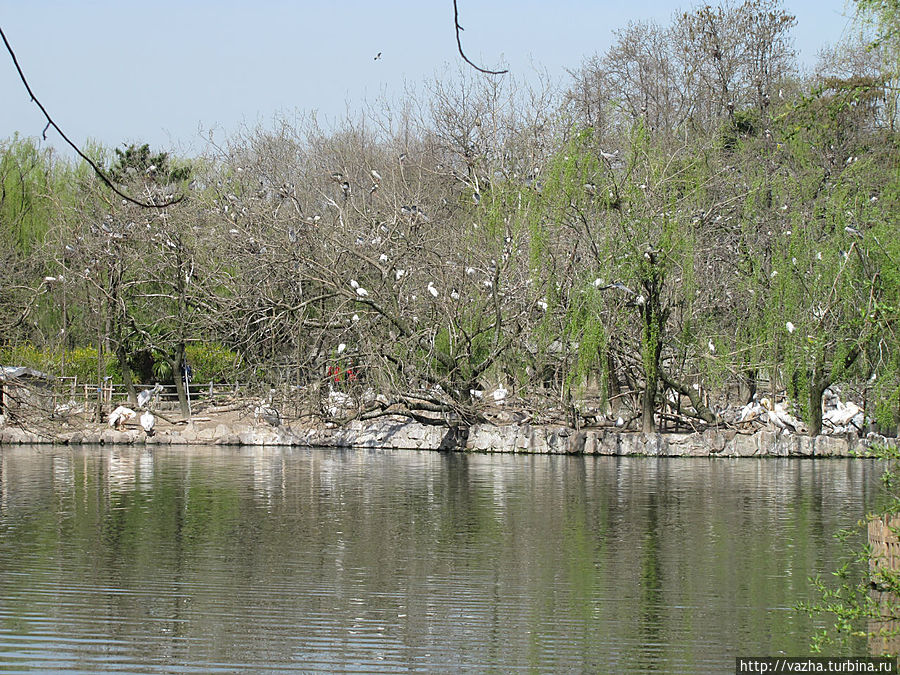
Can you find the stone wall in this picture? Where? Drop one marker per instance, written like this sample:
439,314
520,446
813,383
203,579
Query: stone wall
482,438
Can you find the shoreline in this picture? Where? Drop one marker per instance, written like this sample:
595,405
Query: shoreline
511,438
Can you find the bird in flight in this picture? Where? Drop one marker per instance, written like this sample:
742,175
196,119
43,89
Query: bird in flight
377,56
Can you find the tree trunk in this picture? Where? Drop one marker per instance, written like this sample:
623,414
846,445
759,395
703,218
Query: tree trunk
178,365
817,386
122,358
648,407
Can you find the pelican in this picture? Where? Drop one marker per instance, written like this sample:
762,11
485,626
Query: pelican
750,412
784,421
119,416
843,414
148,421
147,395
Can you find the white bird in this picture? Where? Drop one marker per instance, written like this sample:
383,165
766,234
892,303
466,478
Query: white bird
843,414
598,283
382,257
542,304
454,294
376,175
476,393
750,412
470,271
144,397
398,274
148,421
341,347
790,327
500,394
711,347
120,416
354,283
354,318
432,289
620,422
780,417
362,292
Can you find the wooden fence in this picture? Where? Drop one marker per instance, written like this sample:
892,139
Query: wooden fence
110,394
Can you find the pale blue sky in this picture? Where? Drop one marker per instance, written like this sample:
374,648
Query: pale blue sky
121,71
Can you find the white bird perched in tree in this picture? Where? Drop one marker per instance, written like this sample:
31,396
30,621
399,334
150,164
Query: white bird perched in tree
500,394
398,274
354,283
376,176
790,327
432,289
120,416
144,397
148,421
542,304
341,347
362,292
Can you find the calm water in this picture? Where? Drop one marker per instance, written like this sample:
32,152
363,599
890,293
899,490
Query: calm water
250,560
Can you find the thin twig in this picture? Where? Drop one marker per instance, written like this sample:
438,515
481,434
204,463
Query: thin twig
459,45
51,123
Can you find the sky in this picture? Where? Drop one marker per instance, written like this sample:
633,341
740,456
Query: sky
169,72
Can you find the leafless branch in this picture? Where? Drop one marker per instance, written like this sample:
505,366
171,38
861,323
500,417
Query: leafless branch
51,123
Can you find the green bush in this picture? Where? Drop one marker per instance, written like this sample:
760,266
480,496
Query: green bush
212,362
80,362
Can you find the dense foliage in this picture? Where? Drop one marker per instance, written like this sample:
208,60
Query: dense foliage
688,224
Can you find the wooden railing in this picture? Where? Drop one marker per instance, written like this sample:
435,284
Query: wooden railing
111,394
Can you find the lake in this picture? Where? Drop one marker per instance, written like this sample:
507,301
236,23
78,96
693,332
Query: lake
215,559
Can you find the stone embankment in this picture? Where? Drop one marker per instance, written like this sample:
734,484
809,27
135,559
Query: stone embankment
482,438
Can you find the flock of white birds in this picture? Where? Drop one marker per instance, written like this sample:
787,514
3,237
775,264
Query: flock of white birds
838,416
